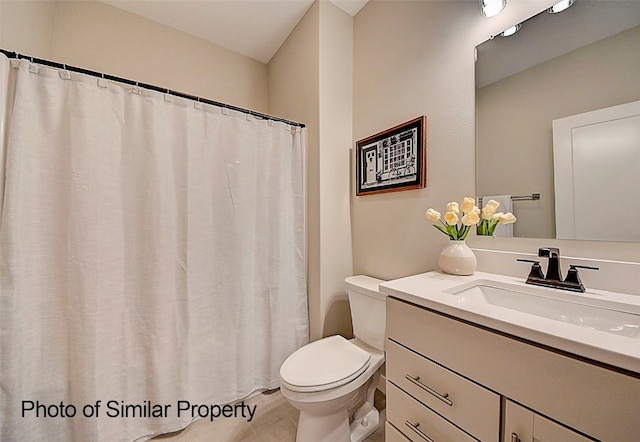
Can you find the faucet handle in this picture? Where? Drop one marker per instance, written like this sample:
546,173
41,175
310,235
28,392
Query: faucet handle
575,266
536,269
574,279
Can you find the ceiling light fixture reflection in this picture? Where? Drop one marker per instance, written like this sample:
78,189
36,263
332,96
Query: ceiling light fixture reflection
489,8
510,31
560,6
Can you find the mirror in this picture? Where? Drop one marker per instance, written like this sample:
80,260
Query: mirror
557,65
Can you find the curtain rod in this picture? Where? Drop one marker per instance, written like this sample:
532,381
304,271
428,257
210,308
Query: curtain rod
11,54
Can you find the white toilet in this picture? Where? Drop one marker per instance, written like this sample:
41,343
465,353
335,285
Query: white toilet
332,381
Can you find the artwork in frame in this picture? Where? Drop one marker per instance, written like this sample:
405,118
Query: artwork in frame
393,160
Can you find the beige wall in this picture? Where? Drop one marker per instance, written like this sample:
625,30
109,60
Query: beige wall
336,98
518,112
310,80
294,85
407,63
416,58
27,27
100,37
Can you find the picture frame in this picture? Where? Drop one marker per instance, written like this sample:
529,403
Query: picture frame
393,160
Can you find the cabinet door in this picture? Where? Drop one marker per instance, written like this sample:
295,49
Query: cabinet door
545,430
523,425
518,423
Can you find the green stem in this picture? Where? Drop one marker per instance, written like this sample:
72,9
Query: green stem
481,229
492,227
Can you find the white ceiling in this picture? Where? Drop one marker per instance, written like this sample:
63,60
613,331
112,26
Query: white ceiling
255,28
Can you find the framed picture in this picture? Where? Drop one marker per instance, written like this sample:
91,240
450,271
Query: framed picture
393,160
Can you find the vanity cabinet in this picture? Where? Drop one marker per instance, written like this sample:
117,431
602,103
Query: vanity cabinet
524,425
443,372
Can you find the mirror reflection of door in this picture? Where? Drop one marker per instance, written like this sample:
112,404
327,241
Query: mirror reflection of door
370,165
597,174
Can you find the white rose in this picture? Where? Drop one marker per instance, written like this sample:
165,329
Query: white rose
453,207
496,216
467,205
451,218
507,218
432,215
470,219
476,210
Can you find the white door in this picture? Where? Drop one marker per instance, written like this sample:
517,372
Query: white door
597,174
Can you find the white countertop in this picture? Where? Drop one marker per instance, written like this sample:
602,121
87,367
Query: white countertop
429,290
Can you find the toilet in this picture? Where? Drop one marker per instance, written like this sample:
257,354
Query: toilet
332,381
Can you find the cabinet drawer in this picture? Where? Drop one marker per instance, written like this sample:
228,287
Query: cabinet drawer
459,400
417,422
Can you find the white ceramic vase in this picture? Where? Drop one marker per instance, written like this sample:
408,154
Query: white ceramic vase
457,259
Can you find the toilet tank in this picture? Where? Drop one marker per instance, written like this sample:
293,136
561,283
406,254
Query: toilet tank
368,309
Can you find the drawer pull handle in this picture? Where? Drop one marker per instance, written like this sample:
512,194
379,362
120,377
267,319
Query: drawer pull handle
443,397
418,431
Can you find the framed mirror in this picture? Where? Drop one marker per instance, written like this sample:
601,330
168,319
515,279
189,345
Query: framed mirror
555,66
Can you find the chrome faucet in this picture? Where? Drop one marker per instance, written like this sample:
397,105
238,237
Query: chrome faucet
554,274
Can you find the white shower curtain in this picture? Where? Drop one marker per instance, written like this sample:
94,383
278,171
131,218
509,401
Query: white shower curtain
151,249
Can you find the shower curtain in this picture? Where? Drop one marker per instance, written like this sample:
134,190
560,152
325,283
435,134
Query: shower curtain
151,257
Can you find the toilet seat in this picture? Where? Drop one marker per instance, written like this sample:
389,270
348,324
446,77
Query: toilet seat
325,364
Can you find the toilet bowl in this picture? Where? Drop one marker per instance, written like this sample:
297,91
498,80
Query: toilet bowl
332,381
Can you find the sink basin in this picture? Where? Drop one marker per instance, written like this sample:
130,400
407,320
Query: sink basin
599,314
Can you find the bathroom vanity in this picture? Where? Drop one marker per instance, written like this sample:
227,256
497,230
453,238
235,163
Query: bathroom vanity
489,358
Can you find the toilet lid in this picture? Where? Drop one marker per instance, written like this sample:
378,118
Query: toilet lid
324,364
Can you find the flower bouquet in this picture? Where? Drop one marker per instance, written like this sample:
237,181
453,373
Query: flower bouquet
491,219
456,258
458,219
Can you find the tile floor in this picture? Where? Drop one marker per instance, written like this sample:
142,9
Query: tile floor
275,421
